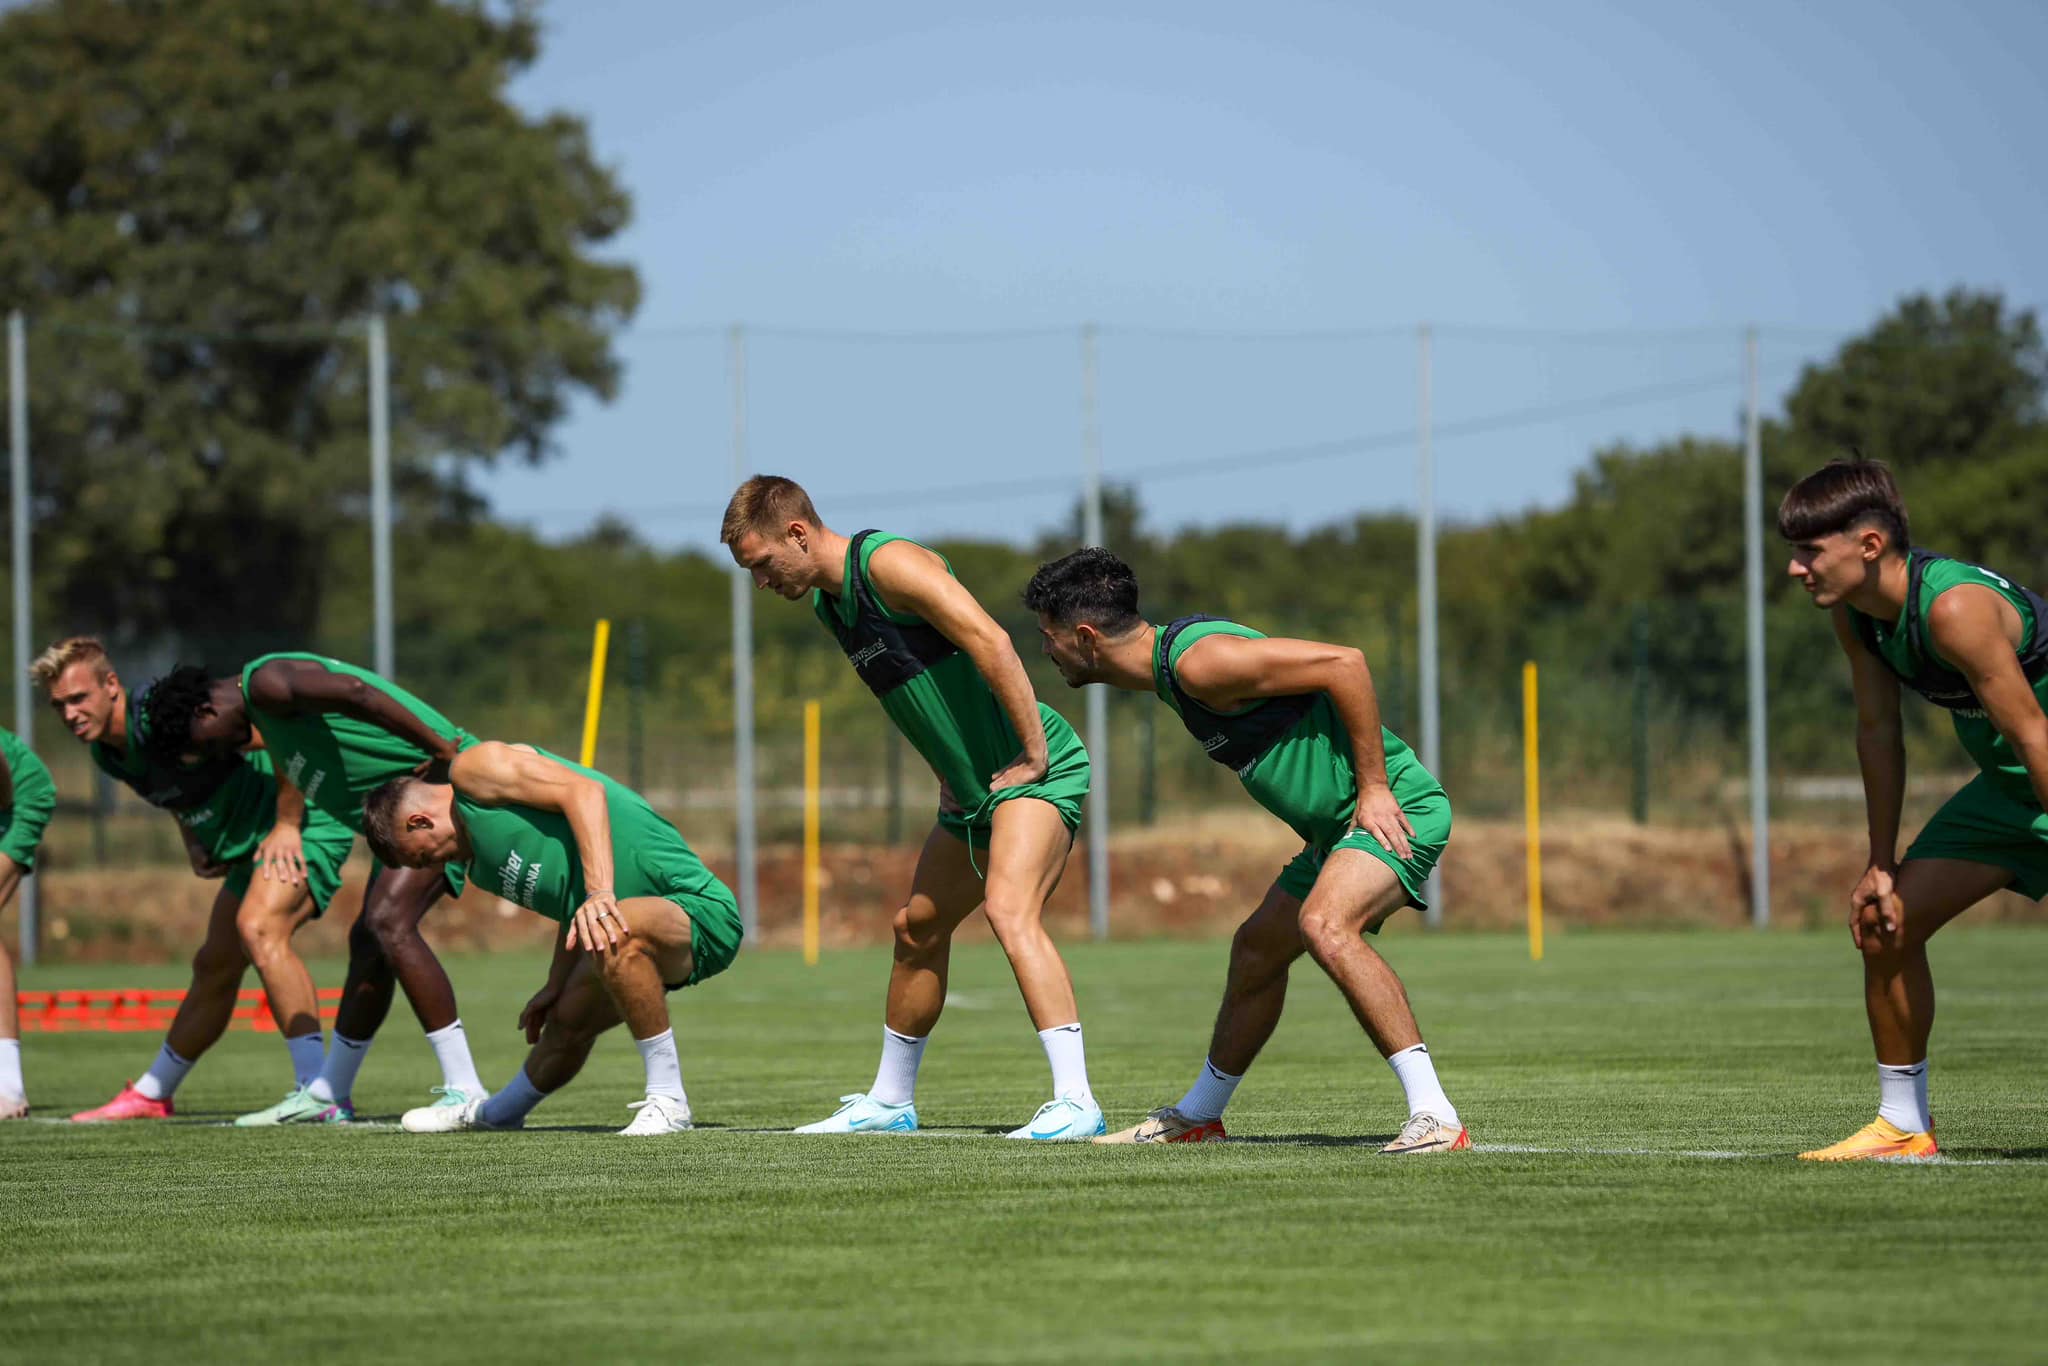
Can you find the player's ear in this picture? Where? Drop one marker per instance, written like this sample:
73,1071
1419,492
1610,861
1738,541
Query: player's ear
419,820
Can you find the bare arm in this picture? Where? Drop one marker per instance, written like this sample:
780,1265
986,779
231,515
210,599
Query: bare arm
1975,636
1880,744
913,579
1228,672
301,687
282,855
500,775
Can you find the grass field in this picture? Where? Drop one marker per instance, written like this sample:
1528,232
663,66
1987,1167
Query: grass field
1636,1099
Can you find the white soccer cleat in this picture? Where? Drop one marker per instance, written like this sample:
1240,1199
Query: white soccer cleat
658,1115
441,1118
444,1116
1063,1119
863,1114
1425,1133
13,1107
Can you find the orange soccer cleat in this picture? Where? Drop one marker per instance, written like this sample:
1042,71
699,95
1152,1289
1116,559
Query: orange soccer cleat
1878,1140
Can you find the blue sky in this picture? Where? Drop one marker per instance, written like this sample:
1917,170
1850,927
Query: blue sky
1588,201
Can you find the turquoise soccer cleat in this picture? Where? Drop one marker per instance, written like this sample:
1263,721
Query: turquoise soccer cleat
1063,1120
862,1114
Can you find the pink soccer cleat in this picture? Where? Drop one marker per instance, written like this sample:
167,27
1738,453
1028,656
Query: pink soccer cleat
128,1104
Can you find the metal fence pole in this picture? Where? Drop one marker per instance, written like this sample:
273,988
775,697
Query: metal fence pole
384,652
1753,542
743,667
1425,598
24,700
1098,697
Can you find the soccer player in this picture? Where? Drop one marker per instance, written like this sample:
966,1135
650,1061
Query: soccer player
337,733
1298,722
27,800
641,915
1012,777
1975,644
235,819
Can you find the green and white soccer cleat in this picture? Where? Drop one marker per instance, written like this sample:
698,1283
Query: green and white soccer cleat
658,1115
863,1114
299,1106
445,1115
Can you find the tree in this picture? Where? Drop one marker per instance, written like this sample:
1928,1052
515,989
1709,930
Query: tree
199,203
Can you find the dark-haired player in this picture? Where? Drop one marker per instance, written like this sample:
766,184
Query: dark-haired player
641,915
28,798
337,733
1298,723
1969,641
236,820
1012,777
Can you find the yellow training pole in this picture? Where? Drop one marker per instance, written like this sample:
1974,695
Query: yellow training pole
810,833
1530,807
595,703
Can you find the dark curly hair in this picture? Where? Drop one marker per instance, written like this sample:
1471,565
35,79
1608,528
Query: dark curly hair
1090,585
168,706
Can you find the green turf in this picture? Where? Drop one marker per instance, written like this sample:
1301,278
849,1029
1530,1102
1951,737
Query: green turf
189,1240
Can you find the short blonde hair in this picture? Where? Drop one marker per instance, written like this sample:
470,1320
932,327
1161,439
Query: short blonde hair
766,503
50,665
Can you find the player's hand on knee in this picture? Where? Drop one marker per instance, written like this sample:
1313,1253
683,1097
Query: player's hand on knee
534,1018
1874,919
598,925
282,856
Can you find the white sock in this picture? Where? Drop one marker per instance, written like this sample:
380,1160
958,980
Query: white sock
1069,1062
163,1076
337,1079
309,1051
10,1069
664,1069
514,1103
451,1048
1902,1096
1417,1075
896,1077
1211,1093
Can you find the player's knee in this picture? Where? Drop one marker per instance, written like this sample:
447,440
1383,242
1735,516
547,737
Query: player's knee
363,945
1257,954
915,940
217,962
1323,931
1011,913
261,933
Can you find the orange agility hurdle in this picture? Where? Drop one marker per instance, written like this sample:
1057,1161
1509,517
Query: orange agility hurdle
142,1011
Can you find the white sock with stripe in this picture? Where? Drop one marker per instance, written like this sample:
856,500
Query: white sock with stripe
1425,1093
1902,1096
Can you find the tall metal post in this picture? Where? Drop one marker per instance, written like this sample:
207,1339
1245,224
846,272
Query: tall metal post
384,653
17,478
1753,544
1425,597
1098,697
743,666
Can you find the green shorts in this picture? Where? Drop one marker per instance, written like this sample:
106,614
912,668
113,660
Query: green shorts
325,845
1982,825
715,931
1065,785
1428,810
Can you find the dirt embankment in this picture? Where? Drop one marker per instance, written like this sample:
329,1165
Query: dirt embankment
1193,879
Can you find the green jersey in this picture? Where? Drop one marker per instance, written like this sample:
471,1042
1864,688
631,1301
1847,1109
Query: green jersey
336,760
936,696
228,804
1908,651
1292,754
529,857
